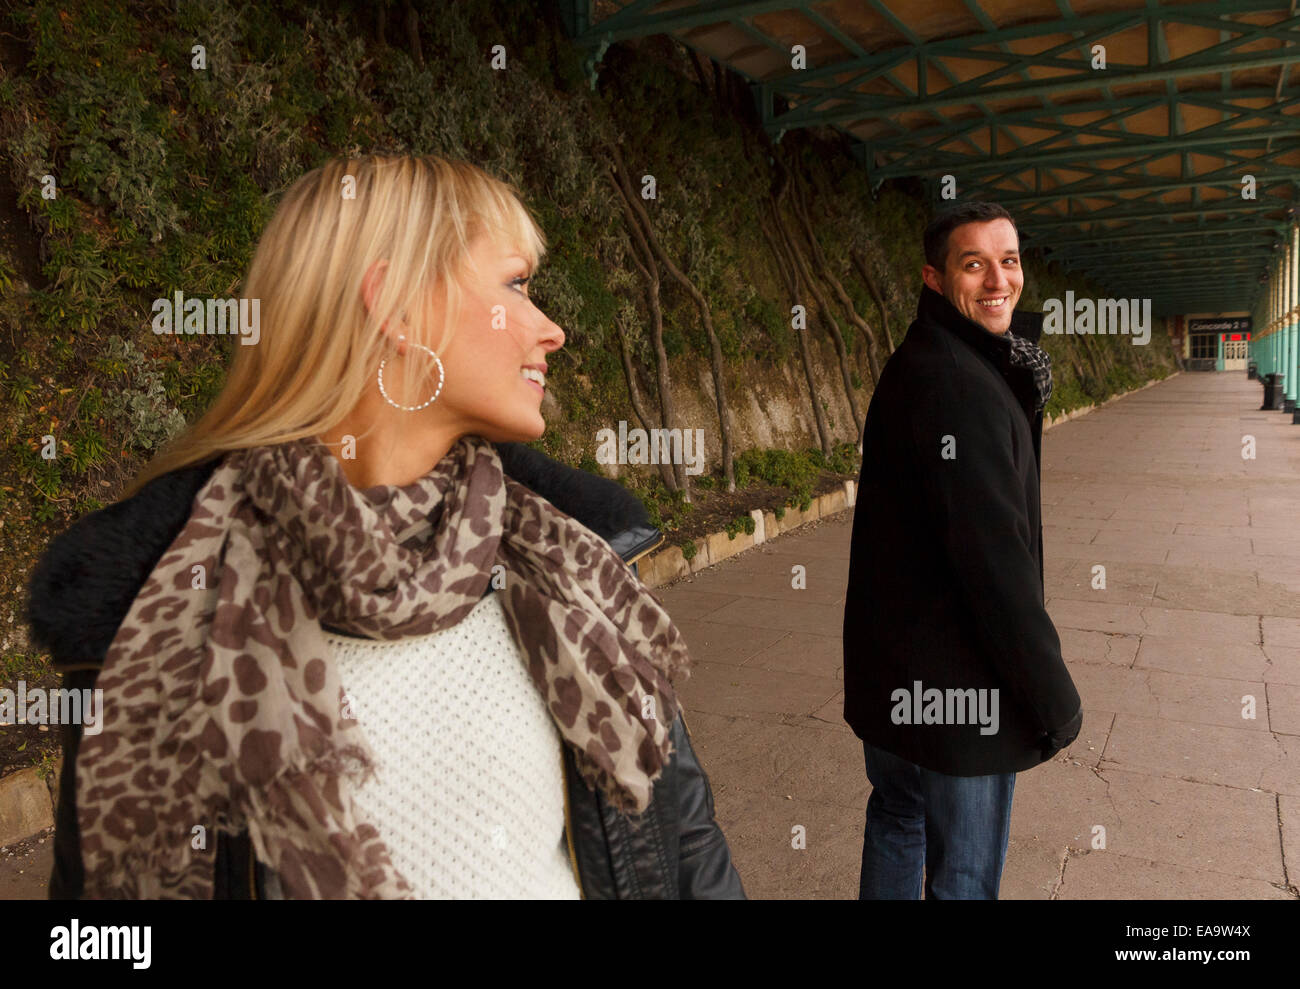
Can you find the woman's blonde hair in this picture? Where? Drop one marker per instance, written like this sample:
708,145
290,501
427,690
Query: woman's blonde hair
319,347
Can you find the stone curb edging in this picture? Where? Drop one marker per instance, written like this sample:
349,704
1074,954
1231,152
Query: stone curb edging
26,806
670,563
1083,410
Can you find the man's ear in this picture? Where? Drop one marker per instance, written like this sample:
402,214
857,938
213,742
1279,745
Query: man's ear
930,275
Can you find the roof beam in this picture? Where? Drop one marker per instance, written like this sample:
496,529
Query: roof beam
1062,157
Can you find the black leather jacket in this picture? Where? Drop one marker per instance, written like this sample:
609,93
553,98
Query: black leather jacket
84,585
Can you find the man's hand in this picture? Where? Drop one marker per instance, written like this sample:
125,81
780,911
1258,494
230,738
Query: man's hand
1054,742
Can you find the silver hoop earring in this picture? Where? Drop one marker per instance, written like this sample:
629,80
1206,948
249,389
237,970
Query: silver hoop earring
412,408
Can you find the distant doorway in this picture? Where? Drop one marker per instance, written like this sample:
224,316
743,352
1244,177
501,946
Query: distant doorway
1234,355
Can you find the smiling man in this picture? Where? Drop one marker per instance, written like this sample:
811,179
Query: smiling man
944,615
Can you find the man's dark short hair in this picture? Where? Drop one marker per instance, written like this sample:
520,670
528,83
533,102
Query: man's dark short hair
936,234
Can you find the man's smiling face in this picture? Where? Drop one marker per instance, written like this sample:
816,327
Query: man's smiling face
981,276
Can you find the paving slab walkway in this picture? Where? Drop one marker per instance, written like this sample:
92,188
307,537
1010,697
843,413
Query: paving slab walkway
1198,620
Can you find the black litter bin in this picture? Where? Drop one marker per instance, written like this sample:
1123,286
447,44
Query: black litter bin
1276,382
1267,381
1252,371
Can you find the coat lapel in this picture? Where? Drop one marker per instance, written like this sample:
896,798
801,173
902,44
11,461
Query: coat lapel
936,309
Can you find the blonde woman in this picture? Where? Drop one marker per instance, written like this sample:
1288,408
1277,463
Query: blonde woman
348,646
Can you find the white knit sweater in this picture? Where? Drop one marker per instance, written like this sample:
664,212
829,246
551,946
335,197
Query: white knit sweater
468,792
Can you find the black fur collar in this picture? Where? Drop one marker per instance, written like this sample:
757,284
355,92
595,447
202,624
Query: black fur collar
82,588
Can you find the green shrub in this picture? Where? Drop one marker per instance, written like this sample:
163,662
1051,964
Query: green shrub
1122,378
775,337
1067,395
779,468
741,523
138,409
843,458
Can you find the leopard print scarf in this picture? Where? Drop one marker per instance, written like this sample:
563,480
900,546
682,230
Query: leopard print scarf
223,710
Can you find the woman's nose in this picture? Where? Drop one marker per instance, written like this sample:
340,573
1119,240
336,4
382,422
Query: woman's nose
551,337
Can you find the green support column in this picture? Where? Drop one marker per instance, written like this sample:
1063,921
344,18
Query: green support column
1253,347
1274,358
1283,300
1284,343
1289,383
1266,329
1279,321
1266,314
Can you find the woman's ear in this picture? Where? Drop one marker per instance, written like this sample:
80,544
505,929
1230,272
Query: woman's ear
370,286
371,283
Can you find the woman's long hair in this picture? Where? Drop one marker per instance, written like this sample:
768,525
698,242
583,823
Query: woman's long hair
319,348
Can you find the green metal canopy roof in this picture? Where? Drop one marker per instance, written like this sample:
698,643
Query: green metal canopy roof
1139,173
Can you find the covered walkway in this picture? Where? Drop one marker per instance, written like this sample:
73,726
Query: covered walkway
1201,611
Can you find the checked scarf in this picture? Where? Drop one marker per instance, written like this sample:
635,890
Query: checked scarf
1029,355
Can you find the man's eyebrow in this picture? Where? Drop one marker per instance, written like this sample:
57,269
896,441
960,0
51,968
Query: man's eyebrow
1009,250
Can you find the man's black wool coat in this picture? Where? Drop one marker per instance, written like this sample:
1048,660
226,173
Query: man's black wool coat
946,570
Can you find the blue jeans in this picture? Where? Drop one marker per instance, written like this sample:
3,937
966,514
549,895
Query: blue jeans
951,829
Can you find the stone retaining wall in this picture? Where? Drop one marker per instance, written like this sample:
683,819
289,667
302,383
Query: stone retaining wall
670,563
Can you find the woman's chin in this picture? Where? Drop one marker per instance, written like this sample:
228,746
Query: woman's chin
517,432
